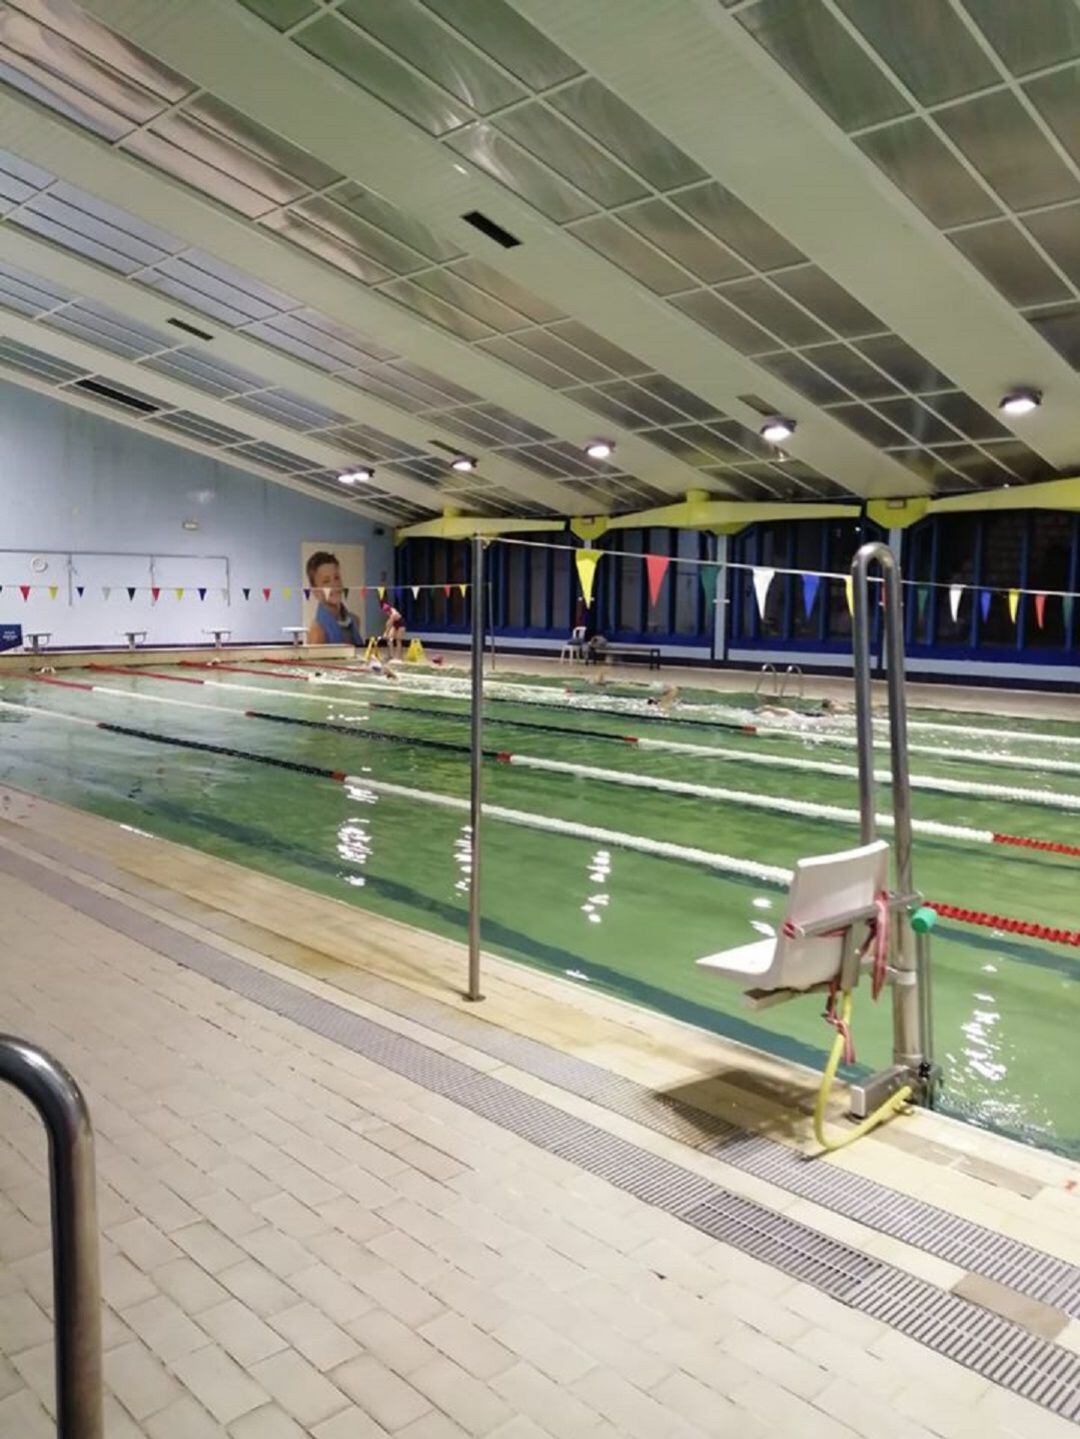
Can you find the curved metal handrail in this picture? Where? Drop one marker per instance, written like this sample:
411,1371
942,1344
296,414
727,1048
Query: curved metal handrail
767,669
76,1270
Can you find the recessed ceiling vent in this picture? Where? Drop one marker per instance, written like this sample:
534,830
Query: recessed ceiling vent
123,399
479,221
188,329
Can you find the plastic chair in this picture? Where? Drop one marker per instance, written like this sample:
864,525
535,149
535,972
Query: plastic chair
574,647
830,895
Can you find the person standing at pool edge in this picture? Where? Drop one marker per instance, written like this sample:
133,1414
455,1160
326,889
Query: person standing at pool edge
334,623
394,630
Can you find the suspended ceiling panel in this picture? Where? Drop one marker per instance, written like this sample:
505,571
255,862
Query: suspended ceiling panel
683,256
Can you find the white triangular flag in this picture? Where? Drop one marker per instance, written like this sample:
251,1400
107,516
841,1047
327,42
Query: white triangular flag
415,591
106,591
763,578
955,591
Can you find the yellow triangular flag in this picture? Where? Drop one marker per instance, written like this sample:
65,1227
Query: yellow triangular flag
287,592
849,594
54,590
587,561
382,592
1014,604
179,592
463,588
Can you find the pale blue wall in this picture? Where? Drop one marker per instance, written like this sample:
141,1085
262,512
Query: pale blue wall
73,483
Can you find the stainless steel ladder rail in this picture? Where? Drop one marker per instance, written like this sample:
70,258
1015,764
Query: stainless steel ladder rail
913,1038
76,1268
767,670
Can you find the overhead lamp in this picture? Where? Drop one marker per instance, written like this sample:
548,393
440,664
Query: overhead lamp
600,449
356,477
463,464
777,430
1020,402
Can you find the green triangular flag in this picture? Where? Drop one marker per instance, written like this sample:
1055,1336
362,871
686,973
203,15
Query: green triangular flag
921,597
1067,610
708,575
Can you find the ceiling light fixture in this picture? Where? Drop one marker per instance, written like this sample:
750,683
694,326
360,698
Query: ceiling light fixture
356,477
463,464
600,449
777,430
1021,402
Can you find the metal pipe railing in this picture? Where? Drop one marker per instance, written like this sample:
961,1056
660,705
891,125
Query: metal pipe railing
476,765
76,1269
912,1009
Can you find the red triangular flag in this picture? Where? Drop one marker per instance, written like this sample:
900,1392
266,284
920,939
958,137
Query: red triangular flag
446,591
1040,609
24,590
363,592
266,594
155,593
656,567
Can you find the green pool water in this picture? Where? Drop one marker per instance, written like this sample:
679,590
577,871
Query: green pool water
630,924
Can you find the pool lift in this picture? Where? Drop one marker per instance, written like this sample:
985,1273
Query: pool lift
843,918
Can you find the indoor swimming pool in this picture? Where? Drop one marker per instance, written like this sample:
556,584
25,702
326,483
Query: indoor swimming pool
614,885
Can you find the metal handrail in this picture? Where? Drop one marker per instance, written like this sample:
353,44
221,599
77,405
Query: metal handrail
768,669
912,1013
76,1269
793,672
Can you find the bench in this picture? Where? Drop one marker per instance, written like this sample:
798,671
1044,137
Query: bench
133,637
36,640
297,633
651,653
219,636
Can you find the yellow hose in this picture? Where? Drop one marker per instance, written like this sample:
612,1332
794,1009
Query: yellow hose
892,1105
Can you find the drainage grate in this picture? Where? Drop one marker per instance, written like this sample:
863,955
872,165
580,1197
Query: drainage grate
993,1347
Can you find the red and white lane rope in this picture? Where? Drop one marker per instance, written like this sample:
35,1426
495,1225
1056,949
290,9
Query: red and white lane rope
721,863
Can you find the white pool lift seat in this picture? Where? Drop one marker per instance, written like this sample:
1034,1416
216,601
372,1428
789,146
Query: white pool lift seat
832,899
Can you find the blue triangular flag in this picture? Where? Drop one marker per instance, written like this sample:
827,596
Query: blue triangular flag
80,590
202,592
246,592
810,585
984,603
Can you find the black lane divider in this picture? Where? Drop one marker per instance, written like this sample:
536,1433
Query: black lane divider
355,733
512,724
318,771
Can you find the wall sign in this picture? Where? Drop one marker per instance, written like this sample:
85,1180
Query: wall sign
10,637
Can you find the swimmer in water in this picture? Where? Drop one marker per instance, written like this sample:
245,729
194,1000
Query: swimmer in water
827,709
666,699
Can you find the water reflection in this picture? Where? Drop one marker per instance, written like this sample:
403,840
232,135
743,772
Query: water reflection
463,858
599,872
355,844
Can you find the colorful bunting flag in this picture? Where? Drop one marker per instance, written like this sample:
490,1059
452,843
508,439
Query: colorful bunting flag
586,562
363,592
54,590
446,590
415,591
463,589
984,604
266,592
344,593
1014,604
307,592
286,593
1040,610
1067,612
106,591
155,594
381,593
922,597
131,592
810,586
179,592
709,575
246,592
24,590
225,595
763,578
849,594
80,590
656,567
202,592
955,593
